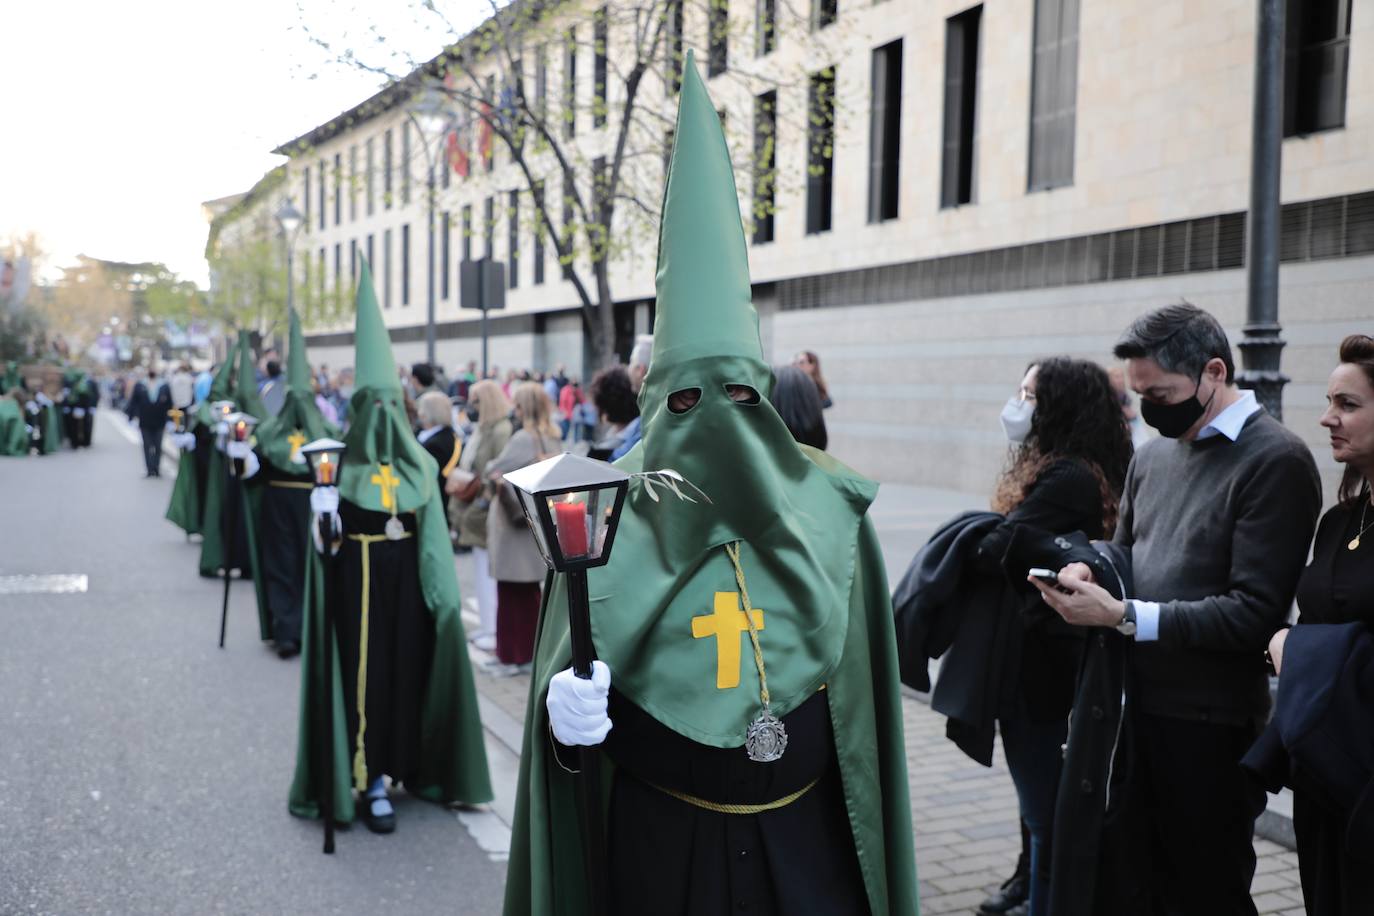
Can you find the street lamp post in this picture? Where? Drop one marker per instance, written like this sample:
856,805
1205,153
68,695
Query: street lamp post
290,221
430,114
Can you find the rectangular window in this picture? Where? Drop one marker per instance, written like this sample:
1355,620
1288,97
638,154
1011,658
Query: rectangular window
371,264
820,157
1316,65
600,38
824,13
338,188
338,266
371,188
718,37
513,241
353,183
305,197
443,164
386,170
765,164
444,258
765,27
568,191
541,82
570,84
1054,94
324,273
323,178
673,77
405,162
353,262
488,227
538,232
961,94
467,233
668,136
405,264
601,201
386,269
885,132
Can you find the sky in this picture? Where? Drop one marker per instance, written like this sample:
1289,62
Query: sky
121,118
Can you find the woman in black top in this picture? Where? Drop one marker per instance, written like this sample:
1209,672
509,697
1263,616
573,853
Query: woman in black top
1072,448
1338,588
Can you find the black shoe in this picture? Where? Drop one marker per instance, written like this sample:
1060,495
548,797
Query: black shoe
1007,898
377,823
288,649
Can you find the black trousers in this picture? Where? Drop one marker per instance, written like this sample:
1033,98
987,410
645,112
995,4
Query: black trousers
152,449
1184,843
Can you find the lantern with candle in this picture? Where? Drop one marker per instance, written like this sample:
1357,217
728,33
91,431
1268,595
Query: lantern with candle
573,506
325,457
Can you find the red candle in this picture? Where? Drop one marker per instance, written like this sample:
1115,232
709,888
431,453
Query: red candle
571,519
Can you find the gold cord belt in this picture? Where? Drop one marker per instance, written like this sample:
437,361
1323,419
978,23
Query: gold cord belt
360,753
738,809
292,484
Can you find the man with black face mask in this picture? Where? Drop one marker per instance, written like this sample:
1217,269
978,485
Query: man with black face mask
1216,518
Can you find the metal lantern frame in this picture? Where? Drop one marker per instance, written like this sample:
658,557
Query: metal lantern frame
313,451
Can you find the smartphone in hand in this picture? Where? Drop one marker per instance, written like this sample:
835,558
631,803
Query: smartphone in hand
1049,577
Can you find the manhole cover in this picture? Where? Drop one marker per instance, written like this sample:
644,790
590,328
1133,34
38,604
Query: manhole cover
50,584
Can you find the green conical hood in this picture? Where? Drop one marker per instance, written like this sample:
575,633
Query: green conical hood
385,468
245,395
220,386
795,514
373,366
705,307
299,421
297,364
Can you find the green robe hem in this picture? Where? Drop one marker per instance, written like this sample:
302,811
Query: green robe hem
183,510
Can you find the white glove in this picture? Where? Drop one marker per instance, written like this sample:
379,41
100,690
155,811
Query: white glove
577,707
325,501
251,465
184,441
80,412
221,428
240,450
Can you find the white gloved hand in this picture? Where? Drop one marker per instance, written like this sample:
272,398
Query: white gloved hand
577,707
239,450
80,412
185,441
325,501
251,464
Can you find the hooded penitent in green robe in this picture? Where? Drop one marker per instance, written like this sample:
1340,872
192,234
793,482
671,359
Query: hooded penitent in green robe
381,447
811,559
11,378
279,440
52,428
243,393
187,503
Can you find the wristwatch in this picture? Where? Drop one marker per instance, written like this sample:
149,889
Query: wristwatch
1126,627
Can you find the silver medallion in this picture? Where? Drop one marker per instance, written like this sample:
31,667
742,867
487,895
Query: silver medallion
766,739
395,530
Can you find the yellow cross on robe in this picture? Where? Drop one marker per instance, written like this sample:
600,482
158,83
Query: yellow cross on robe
388,483
175,416
297,439
726,624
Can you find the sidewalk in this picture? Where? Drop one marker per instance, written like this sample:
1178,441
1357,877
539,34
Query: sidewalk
964,816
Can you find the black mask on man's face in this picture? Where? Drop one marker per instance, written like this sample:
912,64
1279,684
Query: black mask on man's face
472,414
1173,420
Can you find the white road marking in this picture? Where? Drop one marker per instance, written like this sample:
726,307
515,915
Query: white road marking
57,583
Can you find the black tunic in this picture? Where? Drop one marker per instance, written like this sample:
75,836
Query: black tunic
1337,587
400,641
441,445
669,857
283,536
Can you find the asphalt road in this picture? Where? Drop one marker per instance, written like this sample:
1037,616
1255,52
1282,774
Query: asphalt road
144,770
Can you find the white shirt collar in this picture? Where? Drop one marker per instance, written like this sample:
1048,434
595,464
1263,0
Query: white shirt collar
1231,421
425,435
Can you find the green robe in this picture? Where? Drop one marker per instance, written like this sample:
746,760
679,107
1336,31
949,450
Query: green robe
52,428
184,508
545,875
452,747
14,439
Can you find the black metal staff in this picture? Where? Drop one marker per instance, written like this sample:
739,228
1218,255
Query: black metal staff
324,456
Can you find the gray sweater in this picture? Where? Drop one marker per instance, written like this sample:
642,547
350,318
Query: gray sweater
1218,533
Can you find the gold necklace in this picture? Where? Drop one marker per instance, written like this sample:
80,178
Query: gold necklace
1355,542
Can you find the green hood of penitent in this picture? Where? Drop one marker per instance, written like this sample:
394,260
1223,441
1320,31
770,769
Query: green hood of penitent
798,524
299,421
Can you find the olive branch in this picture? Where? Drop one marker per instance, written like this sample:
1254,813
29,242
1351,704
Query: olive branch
670,480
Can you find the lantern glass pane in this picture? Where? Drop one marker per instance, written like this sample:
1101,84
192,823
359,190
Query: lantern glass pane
530,504
581,521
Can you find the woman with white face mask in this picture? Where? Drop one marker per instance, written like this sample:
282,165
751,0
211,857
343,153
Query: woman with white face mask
1070,448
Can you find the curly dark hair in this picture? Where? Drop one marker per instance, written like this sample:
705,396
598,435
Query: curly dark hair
1077,416
614,396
